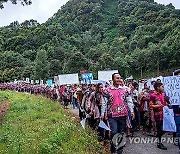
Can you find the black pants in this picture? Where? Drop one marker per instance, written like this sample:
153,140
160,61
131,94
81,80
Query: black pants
81,114
91,122
159,126
102,133
117,125
146,120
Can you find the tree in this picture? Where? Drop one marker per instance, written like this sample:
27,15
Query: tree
135,37
30,54
106,61
76,62
29,71
41,66
23,2
55,68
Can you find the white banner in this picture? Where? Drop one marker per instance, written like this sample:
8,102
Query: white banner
141,87
106,75
153,79
168,120
32,81
37,81
27,80
172,89
41,82
98,81
68,79
56,80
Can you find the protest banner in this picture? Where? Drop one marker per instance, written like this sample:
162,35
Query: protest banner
49,82
66,79
168,120
15,81
172,89
130,78
37,81
87,78
98,81
41,82
56,81
27,80
32,81
106,75
141,87
153,79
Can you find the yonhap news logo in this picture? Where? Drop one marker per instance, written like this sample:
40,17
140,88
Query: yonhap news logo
148,140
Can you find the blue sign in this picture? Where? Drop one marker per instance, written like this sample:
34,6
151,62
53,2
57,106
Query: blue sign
49,82
87,78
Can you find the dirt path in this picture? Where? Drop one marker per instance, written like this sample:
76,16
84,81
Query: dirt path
4,106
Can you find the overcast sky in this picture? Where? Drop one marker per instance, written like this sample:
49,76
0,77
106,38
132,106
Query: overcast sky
41,10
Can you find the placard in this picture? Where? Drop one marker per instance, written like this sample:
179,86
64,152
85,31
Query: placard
172,89
106,75
49,82
56,80
66,79
87,78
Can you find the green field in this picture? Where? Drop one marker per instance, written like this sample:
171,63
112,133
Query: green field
35,124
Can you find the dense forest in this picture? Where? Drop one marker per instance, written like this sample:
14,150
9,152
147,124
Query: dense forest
133,36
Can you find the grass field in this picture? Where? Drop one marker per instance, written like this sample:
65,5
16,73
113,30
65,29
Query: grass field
35,124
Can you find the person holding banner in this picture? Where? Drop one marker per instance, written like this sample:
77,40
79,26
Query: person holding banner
120,102
176,109
157,102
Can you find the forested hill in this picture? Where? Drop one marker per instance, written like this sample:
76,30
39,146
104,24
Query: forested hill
132,36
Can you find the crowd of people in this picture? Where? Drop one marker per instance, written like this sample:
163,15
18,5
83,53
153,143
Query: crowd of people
121,106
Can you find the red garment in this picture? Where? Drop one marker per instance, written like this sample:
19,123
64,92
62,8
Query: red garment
145,98
61,91
158,99
117,106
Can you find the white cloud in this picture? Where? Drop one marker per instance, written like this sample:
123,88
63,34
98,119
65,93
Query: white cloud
40,10
176,3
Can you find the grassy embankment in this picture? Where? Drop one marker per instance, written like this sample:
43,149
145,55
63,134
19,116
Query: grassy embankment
35,124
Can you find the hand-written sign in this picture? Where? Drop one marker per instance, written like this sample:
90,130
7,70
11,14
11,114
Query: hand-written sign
172,89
